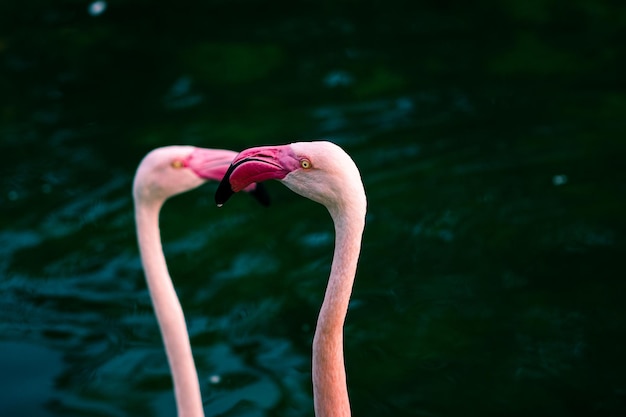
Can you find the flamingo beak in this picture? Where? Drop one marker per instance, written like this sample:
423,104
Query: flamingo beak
211,164
255,165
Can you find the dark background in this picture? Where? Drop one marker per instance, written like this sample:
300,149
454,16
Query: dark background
491,140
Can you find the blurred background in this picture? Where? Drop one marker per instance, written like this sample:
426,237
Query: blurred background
491,140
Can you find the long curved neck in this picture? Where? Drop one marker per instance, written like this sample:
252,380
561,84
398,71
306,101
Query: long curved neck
330,390
168,312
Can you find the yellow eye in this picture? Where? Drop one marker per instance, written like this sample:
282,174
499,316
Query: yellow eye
305,163
177,164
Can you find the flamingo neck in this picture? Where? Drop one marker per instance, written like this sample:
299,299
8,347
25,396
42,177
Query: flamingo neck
168,312
330,390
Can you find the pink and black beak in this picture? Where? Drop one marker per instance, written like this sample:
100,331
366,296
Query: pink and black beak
256,165
211,164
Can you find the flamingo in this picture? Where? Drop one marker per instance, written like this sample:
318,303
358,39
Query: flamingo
163,173
324,173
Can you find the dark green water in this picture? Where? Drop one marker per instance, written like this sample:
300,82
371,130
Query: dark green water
491,140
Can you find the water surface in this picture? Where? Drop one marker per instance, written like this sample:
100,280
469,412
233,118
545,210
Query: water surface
490,139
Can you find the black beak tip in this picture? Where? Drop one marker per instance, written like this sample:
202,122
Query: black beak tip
224,190
223,193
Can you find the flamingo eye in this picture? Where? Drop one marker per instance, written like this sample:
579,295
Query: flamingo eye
177,164
305,163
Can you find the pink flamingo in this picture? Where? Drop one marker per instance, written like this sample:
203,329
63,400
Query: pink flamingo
165,172
323,172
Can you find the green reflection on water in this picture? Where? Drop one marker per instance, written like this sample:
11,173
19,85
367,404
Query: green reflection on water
490,140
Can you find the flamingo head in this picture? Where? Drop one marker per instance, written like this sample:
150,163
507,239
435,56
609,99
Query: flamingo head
170,170
320,171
